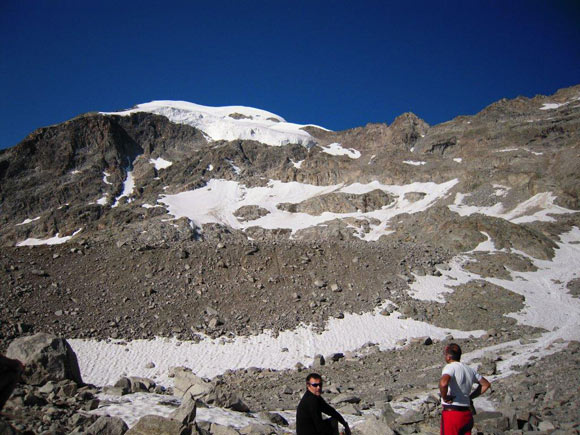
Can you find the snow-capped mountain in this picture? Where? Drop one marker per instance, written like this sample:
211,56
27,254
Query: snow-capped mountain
229,122
229,238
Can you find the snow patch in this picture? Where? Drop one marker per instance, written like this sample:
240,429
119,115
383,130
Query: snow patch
27,221
414,163
160,163
229,122
106,175
297,165
236,169
56,240
336,149
219,199
537,208
551,106
458,159
128,188
211,357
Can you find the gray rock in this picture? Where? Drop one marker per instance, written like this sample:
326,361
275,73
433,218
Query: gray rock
186,381
218,429
139,384
350,409
115,391
374,426
257,429
318,362
46,358
106,425
345,398
488,421
157,425
186,412
226,399
274,417
410,417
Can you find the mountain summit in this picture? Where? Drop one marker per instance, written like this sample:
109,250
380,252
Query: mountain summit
249,171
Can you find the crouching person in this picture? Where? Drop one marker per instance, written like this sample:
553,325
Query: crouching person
309,419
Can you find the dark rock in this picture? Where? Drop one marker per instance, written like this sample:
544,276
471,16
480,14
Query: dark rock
46,358
106,425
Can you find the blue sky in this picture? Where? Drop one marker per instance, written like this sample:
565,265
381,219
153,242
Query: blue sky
339,64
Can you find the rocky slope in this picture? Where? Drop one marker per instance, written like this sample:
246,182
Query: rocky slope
176,233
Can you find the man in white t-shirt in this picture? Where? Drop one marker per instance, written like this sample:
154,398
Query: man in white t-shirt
455,387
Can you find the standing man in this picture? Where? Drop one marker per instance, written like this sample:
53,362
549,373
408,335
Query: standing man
309,414
455,387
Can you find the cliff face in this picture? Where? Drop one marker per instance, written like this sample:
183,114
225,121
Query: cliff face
76,174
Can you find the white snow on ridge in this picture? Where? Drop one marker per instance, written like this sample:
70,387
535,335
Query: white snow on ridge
551,106
160,163
56,240
217,202
228,122
106,175
414,163
211,357
27,221
336,149
128,188
297,165
537,208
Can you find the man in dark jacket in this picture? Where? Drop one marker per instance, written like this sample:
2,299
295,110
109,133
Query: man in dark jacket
10,371
309,414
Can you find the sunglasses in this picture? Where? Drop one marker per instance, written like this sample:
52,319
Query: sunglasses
316,384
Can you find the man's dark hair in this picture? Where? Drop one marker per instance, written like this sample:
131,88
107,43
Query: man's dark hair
313,376
454,351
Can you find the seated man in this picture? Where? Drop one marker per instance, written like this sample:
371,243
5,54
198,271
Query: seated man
10,371
309,414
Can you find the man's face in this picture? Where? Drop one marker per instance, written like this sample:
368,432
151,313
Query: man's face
314,385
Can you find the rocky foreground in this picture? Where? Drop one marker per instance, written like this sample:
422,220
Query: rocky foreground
541,397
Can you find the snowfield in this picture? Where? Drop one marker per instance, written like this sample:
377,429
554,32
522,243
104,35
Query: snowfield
548,305
219,199
229,122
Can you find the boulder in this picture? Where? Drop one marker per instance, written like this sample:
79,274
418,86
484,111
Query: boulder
140,385
187,382
186,412
157,425
106,425
274,417
374,426
224,398
345,398
46,357
410,417
218,429
257,429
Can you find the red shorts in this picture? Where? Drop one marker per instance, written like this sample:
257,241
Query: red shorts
456,422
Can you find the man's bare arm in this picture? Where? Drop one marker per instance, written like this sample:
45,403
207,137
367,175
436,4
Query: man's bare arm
443,387
483,386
